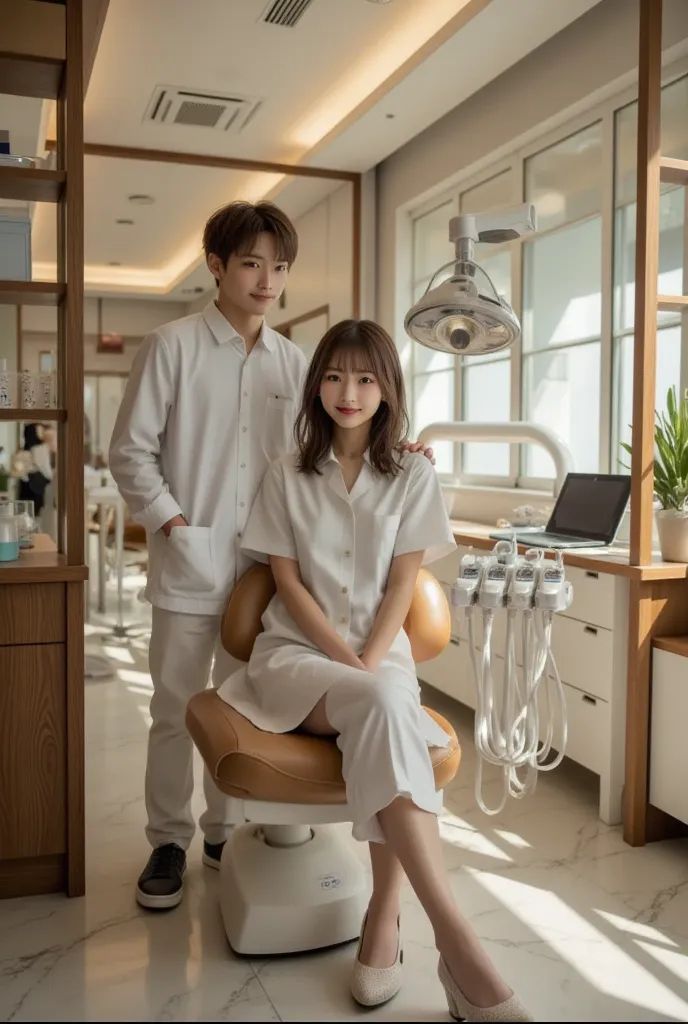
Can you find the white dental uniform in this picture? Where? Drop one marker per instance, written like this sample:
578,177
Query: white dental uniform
344,544
200,423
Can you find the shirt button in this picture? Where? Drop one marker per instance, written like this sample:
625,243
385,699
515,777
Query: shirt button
245,394
343,619
244,429
239,533
347,554
345,590
241,504
243,465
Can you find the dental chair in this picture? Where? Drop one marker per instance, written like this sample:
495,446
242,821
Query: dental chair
290,879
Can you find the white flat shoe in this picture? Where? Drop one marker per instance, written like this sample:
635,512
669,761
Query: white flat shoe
372,986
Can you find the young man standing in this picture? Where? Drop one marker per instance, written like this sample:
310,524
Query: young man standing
210,403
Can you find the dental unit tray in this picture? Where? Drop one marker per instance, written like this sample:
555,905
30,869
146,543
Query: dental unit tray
515,717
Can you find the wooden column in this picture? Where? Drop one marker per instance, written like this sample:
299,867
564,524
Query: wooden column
646,269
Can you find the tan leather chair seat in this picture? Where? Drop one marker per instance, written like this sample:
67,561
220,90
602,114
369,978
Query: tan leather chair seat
295,768
292,768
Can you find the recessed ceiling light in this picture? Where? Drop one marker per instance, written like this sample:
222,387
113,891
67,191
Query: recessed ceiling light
141,200
124,220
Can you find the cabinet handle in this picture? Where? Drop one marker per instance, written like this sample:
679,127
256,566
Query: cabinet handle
589,700
592,575
590,629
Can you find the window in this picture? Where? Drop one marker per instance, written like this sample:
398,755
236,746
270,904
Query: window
486,380
562,300
572,285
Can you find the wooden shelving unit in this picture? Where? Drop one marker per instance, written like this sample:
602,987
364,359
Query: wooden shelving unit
31,415
32,184
658,603
24,75
31,293
42,595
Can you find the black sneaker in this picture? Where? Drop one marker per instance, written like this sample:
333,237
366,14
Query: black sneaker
161,883
212,854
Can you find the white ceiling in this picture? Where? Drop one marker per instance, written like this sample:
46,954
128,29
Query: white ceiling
327,87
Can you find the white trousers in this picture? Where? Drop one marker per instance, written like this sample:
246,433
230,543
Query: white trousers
182,648
383,737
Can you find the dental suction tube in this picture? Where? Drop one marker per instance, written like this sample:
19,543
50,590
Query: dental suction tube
516,715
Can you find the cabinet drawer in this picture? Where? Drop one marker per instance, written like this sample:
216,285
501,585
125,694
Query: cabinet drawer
451,673
593,597
668,747
588,728
32,613
584,655
33,750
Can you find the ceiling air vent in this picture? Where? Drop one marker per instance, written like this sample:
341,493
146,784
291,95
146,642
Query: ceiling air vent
285,12
224,113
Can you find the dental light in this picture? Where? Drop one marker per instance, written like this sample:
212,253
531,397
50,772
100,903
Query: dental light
515,716
463,314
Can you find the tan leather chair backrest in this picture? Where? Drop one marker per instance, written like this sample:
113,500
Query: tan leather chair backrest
428,623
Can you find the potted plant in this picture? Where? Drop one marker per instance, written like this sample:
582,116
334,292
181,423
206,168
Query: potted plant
671,478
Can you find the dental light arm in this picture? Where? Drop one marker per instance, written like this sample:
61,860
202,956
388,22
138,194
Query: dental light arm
514,433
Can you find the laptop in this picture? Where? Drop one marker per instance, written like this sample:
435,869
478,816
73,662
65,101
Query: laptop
587,514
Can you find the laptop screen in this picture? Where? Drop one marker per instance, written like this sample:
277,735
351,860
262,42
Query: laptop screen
590,506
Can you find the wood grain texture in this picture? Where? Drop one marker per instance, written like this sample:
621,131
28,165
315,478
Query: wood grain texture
614,561
33,613
42,564
646,270
223,163
32,186
70,120
25,75
32,876
30,293
655,609
673,644
33,754
673,172
76,862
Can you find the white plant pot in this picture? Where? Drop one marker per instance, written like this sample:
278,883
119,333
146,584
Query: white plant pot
672,527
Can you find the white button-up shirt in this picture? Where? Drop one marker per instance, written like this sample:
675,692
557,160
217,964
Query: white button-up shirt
199,424
344,544
344,541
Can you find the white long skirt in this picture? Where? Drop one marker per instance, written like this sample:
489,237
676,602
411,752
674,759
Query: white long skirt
383,732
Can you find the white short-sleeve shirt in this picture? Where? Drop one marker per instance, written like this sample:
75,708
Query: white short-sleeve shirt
345,542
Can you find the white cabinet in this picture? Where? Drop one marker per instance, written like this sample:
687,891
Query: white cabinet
668,747
589,645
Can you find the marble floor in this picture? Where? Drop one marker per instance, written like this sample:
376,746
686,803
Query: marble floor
585,928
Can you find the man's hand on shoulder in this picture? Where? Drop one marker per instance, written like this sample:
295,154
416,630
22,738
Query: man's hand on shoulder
416,446
171,523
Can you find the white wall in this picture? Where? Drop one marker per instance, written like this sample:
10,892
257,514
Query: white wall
133,319
322,274
569,70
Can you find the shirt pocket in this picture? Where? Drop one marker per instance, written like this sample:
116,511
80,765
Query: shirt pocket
187,566
278,427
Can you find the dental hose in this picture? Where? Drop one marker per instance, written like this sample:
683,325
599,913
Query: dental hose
507,732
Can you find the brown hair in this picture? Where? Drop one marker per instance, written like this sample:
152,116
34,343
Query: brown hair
364,345
233,229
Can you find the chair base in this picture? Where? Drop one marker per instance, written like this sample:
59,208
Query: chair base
290,888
